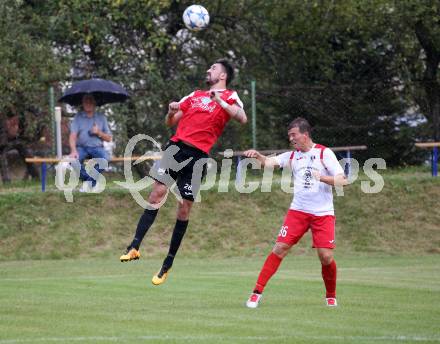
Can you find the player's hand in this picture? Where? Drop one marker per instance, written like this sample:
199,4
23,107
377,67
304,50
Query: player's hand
173,107
316,175
215,95
251,153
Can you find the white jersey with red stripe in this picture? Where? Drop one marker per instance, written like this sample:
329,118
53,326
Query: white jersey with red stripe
310,195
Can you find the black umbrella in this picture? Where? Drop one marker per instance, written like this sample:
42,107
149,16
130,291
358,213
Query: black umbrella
104,92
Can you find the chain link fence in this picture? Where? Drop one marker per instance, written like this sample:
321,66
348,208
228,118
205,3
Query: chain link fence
374,115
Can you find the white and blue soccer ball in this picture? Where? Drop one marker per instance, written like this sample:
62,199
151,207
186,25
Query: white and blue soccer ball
196,17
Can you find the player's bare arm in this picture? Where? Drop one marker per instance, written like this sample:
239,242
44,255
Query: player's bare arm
235,111
174,114
337,180
265,160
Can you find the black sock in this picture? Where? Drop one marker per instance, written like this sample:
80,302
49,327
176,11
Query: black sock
176,239
143,226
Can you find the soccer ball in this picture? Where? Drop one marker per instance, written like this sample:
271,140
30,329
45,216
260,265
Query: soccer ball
196,17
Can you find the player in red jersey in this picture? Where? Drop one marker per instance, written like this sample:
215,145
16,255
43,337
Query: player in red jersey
315,170
200,118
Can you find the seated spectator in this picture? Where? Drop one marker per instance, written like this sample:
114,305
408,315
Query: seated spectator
88,131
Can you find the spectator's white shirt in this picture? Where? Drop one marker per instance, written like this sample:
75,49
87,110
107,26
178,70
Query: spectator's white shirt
311,196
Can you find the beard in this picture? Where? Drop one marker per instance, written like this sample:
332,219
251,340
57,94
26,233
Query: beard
210,81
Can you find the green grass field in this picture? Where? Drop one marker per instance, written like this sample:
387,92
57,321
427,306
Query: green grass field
382,299
61,281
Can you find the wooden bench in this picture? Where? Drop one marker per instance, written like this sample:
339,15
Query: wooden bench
50,160
346,149
434,155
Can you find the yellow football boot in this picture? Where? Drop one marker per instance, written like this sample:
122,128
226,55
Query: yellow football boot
160,277
130,254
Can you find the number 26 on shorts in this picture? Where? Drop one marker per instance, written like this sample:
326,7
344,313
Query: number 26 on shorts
283,231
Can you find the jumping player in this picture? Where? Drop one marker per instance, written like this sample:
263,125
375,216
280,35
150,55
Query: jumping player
200,118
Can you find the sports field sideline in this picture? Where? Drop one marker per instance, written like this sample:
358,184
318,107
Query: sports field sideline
383,299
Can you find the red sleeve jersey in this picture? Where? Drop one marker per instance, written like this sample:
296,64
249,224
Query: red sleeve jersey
203,119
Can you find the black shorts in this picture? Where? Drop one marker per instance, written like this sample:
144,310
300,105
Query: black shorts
182,165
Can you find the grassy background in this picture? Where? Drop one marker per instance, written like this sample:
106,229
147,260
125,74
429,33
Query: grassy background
402,219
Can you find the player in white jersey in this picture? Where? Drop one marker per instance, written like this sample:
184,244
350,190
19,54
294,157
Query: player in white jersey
315,170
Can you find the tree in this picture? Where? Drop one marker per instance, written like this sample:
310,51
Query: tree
27,67
353,68
417,34
332,63
140,44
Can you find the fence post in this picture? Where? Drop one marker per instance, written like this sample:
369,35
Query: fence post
347,165
238,172
254,115
43,176
58,131
52,118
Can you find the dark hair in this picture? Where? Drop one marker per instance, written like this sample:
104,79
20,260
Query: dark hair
228,69
302,124
89,96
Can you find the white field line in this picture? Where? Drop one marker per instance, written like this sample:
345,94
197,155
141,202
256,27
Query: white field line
427,285
205,338
287,274
90,277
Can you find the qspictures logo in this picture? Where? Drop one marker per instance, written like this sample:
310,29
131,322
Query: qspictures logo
218,175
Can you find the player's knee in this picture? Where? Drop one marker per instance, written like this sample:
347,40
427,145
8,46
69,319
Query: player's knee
325,257
281,249
156,196
183,210
182,215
